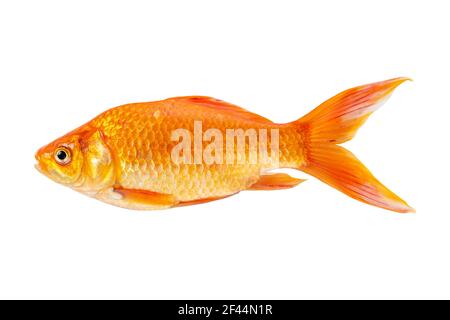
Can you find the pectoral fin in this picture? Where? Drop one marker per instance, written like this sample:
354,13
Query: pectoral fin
275,181
145,198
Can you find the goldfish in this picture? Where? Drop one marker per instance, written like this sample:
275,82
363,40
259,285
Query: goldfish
195,149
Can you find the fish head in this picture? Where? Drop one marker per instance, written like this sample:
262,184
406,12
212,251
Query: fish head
61,160
80,160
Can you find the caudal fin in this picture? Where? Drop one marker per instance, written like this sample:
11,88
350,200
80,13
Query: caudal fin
336,121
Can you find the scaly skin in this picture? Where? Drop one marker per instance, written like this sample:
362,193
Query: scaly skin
139,136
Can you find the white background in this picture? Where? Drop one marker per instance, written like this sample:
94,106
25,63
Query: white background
62,63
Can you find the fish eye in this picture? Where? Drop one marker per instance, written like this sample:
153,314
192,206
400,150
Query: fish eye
62,155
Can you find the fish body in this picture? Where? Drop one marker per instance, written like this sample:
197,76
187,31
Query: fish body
189,150
140,137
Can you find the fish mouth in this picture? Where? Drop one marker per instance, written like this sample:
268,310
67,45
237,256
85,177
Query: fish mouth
41,167
37,164
38,167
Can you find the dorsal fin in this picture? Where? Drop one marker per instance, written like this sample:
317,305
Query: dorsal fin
219,106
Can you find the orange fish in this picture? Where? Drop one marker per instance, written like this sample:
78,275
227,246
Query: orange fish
189,150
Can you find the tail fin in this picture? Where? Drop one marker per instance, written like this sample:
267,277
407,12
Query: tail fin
336,121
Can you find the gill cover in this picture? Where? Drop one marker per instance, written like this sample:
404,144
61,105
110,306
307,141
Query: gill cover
98,168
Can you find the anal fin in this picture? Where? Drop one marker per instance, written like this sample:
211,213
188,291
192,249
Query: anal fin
275,181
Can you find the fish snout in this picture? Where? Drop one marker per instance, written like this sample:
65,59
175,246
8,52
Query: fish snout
41,157
37,165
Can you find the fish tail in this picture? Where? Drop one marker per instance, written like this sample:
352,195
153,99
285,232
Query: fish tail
336,121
